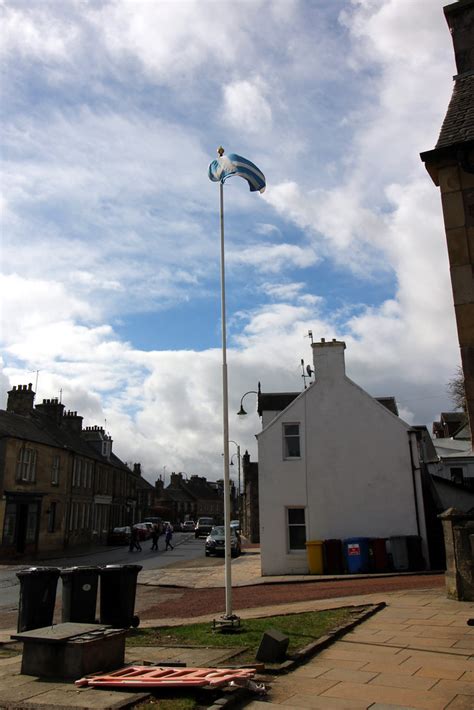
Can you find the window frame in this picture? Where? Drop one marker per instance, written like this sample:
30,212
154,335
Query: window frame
291,437
55,469
26,465
289,525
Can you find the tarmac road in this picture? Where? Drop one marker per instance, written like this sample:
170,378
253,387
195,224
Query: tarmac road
162,603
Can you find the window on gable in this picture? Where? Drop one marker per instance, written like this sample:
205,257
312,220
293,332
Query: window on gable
291,441
296,528
26,465
457,475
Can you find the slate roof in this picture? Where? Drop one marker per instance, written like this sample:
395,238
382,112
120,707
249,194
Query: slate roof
278,401
275,401
41,429
458,125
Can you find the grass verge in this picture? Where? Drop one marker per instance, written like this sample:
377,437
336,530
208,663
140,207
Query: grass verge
301,629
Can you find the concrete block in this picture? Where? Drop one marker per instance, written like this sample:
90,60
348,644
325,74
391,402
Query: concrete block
273,646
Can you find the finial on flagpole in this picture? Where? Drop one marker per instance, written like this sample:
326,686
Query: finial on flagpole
220,151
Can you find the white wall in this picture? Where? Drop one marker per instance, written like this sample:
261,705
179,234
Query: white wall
354,476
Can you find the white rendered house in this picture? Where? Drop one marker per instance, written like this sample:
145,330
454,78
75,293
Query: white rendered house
334,463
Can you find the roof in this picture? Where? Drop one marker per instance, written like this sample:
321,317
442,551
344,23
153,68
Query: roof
41,429
278,401
275,401
453,448
389,403
458,125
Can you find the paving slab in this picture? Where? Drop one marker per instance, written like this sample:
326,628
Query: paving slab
418,668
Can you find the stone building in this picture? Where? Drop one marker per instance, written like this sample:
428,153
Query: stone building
451,167
60,485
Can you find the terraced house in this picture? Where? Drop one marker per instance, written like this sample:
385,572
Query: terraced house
60,485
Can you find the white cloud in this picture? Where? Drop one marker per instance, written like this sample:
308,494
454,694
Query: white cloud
274,258
246,106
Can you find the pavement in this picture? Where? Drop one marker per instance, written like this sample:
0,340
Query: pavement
418,652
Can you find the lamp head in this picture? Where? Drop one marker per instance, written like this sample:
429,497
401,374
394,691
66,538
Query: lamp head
241,411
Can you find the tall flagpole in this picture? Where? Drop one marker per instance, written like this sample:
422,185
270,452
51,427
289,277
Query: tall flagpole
225,416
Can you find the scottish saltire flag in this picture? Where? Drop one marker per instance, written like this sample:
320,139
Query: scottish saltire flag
227,165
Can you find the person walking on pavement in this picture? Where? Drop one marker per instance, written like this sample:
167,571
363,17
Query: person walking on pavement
155,534
168,536
134,541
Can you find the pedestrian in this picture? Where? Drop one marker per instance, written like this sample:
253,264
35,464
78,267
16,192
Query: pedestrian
134,541
155,534
168,536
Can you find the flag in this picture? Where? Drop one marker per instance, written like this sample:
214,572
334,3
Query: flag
227,165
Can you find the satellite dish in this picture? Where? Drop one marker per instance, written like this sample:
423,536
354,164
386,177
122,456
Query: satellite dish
309,370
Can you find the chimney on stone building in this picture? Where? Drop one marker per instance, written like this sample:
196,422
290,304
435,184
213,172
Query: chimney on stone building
137,469
51,408
72,422
451,167
159,487
20,400
328,360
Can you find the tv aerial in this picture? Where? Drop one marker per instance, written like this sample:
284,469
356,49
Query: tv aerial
307,373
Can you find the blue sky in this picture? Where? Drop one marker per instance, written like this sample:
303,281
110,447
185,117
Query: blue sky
111,112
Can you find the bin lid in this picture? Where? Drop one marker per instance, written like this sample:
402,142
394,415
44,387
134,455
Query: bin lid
356,539
78,569
53,571
116,568
313,542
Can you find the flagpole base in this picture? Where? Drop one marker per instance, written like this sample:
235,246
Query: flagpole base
227,624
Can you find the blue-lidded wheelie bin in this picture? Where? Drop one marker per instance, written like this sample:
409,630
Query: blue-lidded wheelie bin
356,554
37,597
118,587
79,599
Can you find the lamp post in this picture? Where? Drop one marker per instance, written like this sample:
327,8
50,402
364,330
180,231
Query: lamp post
242,411
238,475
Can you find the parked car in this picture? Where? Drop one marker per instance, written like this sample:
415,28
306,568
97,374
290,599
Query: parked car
215,542
119,536
188,526
203,527
144,530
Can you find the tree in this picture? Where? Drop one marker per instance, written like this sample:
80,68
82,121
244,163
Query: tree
456,390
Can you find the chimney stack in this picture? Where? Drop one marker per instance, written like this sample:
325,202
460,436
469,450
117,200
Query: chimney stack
72,422
328,360
52,409
460,18
20,400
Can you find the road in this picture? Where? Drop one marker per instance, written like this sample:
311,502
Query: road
186,548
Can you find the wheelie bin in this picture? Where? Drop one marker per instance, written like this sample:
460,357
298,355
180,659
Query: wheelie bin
415,555
399,552
118,587
356,554
314,551
79,597
378,560
37,597
333,558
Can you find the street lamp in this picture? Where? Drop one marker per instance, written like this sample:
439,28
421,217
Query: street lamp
238,473
242,410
